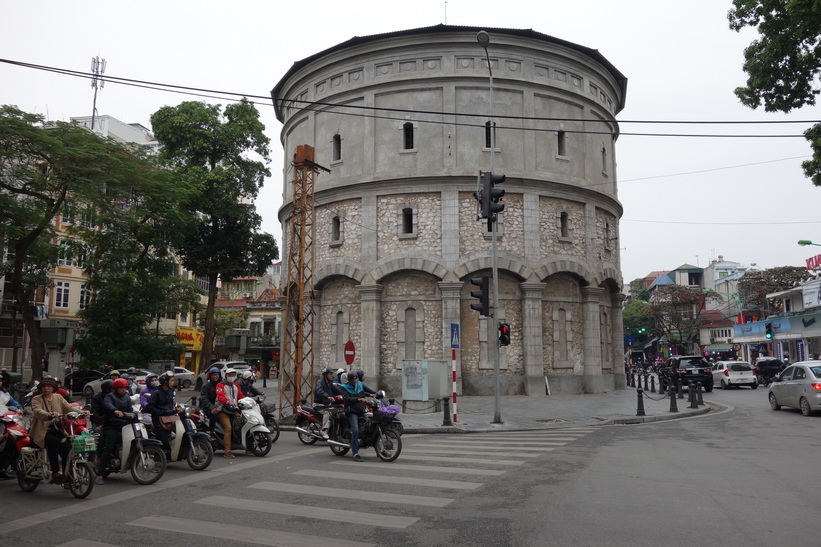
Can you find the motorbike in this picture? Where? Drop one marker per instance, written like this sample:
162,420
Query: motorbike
248,430
17,437
268,412
309,421
34,466
189,444
375,429
137,453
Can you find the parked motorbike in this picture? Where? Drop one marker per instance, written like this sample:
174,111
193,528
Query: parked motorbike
17,437
248,430
189,444
137,453
375,429
34,466
268,412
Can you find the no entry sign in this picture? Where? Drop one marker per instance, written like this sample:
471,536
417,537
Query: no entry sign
350,352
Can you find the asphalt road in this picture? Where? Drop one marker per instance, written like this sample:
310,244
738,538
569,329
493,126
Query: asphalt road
741,476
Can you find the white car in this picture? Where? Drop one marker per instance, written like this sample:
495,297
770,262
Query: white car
239,366
729,374
184,378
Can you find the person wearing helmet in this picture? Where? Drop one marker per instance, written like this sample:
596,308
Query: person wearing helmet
325,394
6,400
96,402
208,397
115,407
246,384
133,387
360,375
151,385
163,403
114,374
354,397
228,396
45,407
338,378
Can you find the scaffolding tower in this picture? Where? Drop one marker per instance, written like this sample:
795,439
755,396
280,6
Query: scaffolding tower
297,370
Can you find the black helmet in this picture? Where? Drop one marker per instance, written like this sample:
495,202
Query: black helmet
327,370
106,385
360,374
165,376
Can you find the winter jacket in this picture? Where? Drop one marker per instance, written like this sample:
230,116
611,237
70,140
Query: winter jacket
112,402
40,409
324,390
350,396
248,388
97,411
6,399
208,396
145,395
161,403
228,394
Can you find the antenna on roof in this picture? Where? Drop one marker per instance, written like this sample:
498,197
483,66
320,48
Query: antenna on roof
97,82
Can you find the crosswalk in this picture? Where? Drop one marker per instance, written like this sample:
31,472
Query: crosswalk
432,473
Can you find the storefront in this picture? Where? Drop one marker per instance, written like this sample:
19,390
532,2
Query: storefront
192,339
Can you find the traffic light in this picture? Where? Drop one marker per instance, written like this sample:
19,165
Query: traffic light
504,334
768,330
491,196
483,294
642,330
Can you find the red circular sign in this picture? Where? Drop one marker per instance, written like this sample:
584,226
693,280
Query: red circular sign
349,351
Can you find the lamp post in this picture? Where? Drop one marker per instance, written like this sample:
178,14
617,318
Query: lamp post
484,40
805,242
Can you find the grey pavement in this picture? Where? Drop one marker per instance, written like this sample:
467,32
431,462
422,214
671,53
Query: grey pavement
521,413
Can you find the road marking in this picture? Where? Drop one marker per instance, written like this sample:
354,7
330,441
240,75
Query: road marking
382,497
85,543
131,493
239,533
471,452
313,512
405,481
517,441
484,461
427,468
457,444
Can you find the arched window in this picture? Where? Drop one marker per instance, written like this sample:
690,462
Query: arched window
336,229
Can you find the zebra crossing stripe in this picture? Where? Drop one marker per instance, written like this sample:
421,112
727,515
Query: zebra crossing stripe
518,441
471,452
382,497
291,510
239,533
453,459
426,468
465,446
405,481
85,543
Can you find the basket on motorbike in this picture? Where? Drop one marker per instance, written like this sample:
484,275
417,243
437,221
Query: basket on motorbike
83,443
386,413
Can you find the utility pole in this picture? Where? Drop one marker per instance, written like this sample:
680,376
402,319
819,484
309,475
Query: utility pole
97,82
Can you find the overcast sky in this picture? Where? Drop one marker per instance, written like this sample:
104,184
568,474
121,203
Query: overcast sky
686,199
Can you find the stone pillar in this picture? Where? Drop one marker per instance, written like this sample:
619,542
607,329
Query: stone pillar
451,308
532,335
619,379
370,297
591,299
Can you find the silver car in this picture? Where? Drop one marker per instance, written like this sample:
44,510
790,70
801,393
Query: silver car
799,386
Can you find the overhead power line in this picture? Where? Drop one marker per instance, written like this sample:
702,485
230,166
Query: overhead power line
345,109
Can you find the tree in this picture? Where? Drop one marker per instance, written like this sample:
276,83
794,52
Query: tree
212,150
784,64
42,166
637,322
676,312
755,285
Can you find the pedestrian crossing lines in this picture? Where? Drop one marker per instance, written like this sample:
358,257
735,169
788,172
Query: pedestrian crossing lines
433,472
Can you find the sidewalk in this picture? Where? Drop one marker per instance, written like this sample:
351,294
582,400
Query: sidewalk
522,413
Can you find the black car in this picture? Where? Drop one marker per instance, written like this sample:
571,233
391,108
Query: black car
688,368
80,378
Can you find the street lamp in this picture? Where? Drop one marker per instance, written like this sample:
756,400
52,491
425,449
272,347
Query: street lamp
484,40
805,242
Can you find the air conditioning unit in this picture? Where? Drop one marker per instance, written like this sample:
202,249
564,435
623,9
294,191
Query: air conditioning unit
247,295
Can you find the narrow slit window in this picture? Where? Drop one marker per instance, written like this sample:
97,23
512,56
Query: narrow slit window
490,136
335,228
604,160
407,136
561,143
407,220
563,225
337,145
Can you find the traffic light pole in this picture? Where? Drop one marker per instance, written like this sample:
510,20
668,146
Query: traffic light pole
484,40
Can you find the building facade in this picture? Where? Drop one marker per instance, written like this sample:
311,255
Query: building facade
402,120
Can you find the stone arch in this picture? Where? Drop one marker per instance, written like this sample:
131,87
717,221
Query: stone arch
565,264
508,263
422,262
607,274
338,268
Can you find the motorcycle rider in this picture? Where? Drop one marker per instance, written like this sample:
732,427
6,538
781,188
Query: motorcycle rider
325,393
96,402
45,407
115,406
354,397
6,400
163,403
246,384
228,395
208,397
151,385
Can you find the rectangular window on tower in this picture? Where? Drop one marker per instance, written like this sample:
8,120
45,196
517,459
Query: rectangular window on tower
407,136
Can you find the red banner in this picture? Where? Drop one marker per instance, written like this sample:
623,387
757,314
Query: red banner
814,263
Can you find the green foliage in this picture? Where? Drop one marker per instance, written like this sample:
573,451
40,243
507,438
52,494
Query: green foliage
676,313
783,65
755,285
635,319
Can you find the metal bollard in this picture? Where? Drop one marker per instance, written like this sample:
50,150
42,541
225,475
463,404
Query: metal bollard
632,380
692,389
699,400
446,420
680,389
645,380
652,384
673,404
640,408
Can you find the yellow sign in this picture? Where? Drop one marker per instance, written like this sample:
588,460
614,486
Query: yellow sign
190,338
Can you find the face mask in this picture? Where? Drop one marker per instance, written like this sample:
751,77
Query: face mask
230,379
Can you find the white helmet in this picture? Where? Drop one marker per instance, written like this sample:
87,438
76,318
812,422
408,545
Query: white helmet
230,371
247,375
